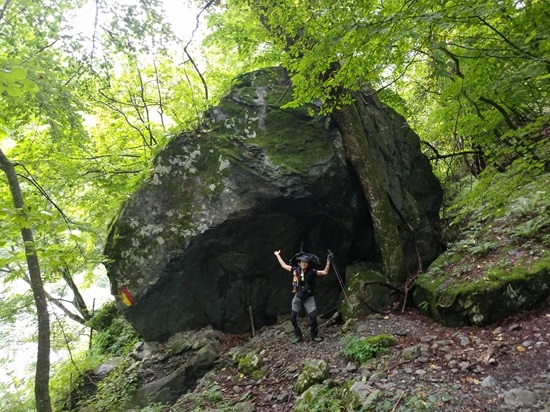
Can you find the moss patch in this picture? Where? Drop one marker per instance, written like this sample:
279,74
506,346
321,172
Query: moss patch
353,306
500,265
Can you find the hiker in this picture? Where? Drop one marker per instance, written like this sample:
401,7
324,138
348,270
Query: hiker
304,271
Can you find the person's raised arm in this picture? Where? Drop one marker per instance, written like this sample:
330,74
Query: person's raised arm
325,271
281,261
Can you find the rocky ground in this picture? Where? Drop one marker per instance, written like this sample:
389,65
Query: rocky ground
504,367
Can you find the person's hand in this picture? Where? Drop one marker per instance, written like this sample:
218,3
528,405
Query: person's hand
277,252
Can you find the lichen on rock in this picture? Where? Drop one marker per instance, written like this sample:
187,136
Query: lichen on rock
193,246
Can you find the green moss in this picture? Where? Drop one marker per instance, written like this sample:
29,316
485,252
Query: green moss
257,375
500,293
269,75
250,364
319,398
384,340
291,144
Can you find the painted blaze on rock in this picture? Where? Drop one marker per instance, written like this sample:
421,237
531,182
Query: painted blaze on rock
194,245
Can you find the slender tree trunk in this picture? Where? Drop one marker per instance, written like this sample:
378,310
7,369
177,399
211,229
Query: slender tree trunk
360,155
78,300
42,376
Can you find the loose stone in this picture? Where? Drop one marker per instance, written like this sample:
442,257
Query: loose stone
489,382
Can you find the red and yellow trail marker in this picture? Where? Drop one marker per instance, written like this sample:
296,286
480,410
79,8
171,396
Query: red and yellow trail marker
126,297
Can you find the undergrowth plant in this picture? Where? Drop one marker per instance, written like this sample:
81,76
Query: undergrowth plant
157,407
115,336
115,389
211,398
68,374
361,350
321,399
407,402
515,193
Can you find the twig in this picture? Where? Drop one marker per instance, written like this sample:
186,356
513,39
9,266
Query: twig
251,320
398,402
396,365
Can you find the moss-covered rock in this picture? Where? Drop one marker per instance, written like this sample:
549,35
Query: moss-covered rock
250,364
383,340
193,246
314,371
498,261
352,305
456,300
309,398
359,396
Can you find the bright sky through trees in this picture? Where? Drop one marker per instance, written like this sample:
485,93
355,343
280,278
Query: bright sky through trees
181,16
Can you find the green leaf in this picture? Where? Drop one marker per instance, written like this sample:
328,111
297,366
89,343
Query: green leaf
18,73
29,86
531,36
14,90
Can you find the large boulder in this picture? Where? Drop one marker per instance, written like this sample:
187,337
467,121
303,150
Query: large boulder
193,246
463,300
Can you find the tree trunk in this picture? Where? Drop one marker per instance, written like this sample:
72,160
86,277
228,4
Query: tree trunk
78,300
42,376
359,152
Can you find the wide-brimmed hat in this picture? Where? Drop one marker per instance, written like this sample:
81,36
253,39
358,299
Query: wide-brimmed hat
312,259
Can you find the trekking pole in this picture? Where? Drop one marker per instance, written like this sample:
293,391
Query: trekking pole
330,258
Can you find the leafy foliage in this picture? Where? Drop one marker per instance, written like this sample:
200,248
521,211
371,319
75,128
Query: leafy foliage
70,373
83,117
361,350
14,82
15,398
115,336
322,398
211,397
114,390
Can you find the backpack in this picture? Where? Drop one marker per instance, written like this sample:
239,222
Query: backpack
314,261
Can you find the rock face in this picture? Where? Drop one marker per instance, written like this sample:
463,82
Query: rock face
194,245
165,372
363,295
492,298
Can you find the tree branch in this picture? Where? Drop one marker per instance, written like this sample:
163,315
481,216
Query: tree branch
159,94
439,156
197,17
147,121
43,192
506,40
119,111
78,300
501,110
4,8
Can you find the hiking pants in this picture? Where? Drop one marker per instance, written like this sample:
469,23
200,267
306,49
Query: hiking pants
311,310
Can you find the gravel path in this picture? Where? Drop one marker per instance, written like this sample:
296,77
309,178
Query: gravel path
504,367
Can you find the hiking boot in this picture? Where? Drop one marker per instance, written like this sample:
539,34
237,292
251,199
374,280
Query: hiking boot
316,338
297,337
